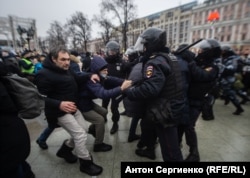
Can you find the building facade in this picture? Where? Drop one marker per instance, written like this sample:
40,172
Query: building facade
19,33
232,28
189,22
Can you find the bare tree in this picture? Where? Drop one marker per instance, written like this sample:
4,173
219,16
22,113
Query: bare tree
74,35
106,25
124,11
56,34
82,26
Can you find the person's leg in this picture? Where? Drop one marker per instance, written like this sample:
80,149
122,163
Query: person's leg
181,131
168,138
191,137
98,121
148,139
132,130
105,103
99,128
115,115
73,124
70,123
207,108
41,141
101,110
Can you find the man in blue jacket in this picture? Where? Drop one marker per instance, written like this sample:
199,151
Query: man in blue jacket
90,90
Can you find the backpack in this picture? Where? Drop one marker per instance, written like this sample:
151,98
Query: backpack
25,95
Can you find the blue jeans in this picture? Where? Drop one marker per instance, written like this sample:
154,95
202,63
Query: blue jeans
45,134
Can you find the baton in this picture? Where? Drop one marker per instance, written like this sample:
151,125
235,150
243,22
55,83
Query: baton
189,46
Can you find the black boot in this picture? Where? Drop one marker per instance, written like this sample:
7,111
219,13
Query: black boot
102,147
89,167
140,144
238,111
134,137
66,153
193,155
114,128
92,130
148,152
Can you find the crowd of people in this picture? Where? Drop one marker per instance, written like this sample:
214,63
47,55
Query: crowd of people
165,91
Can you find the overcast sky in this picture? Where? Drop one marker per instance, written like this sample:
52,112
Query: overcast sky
47,11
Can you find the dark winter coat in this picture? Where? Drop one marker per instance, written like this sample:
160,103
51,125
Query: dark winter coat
14,136
57,85
203,78
135,108
116,67
90,90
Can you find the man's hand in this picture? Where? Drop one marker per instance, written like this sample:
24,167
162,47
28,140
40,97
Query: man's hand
94,78
126,84
68,106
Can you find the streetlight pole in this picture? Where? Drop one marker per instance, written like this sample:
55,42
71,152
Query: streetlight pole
29,33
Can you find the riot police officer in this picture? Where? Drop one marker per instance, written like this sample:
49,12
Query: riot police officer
230,64
204,73
162,84
115,69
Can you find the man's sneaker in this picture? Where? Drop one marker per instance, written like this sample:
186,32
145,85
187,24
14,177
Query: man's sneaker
42,144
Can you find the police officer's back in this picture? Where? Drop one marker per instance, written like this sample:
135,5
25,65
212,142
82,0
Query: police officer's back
162,84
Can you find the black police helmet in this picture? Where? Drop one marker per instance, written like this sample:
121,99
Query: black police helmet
153,39
210,49
227,51
112,48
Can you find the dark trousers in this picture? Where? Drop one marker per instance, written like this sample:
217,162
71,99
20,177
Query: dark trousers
168,138
190,133
114,107
207,107
133,125
148,132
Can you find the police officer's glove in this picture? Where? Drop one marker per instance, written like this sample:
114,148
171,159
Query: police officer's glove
188,56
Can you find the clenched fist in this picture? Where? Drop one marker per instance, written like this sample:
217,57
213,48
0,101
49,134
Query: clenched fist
126,84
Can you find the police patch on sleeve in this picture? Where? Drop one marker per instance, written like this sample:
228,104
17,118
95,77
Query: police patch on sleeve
149,71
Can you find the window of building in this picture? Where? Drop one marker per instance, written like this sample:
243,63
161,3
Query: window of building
225,8
243,36
228,37
222,38
170,14
232,7
245,26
